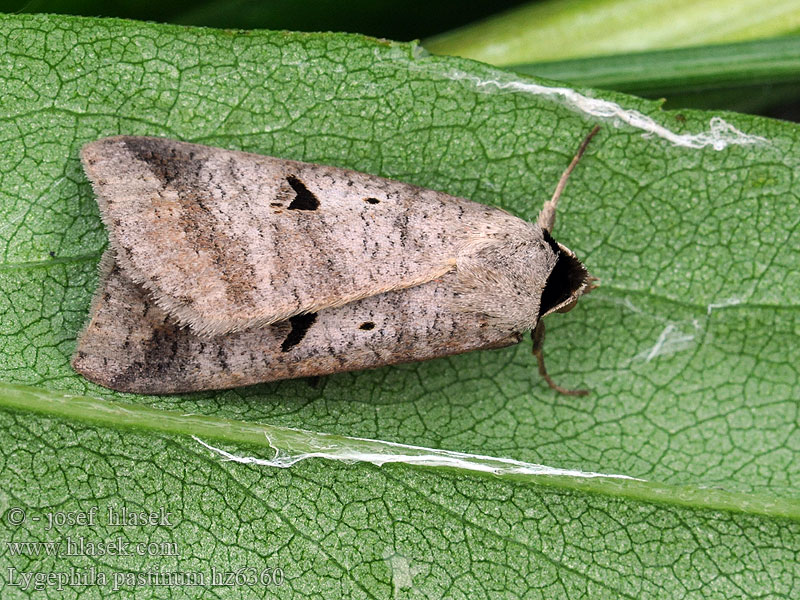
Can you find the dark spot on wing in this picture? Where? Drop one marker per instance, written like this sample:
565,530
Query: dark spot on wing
371,200
162,353
300,326
367,325
222,358
166,160
304,200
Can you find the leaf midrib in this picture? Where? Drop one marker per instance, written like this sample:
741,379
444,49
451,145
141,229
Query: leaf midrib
107,413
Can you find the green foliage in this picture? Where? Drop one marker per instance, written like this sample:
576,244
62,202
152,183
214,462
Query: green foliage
560,29
744,75
688,345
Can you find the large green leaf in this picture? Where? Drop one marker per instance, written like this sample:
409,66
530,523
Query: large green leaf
689,345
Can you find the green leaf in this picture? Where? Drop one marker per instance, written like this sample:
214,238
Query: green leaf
561,29
689,346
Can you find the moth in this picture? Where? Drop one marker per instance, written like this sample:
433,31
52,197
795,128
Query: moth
226,269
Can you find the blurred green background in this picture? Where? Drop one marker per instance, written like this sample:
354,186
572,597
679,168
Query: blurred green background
391,19
741,55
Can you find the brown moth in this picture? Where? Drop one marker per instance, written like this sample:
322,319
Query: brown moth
227,269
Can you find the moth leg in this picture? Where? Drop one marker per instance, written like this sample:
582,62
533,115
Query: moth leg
537,335
547,217
590,284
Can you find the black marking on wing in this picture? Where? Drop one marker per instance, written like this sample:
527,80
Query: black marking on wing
304,200
300,326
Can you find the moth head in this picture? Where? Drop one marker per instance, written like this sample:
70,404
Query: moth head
568,280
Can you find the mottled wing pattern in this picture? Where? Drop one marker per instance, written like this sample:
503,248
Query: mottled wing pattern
132,345
227,241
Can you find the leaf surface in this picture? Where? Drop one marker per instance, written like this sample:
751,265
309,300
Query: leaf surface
689,220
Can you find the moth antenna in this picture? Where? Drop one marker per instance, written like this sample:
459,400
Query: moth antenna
547,217
537,335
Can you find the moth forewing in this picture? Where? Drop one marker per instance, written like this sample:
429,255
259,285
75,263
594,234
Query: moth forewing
228,240
228,268
131,345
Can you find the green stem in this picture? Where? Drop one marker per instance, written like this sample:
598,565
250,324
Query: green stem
686,70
